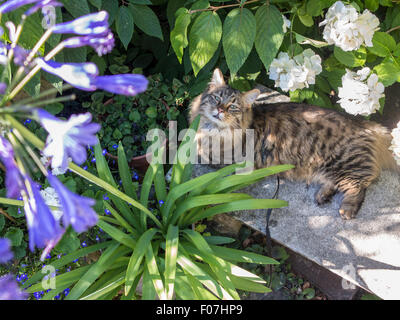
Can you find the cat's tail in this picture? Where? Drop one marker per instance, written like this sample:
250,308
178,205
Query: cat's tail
383,141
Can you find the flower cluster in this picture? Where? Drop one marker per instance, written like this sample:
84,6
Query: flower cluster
395,147
297,73
360,92
347,29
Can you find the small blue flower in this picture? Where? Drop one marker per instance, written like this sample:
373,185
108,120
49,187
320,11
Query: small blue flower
85,167
93,160
115,146
107,212
161,202
75,261
104,152
84,244
106,198
27,121
135,176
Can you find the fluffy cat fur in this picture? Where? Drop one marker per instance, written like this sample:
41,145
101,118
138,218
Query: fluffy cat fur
339,152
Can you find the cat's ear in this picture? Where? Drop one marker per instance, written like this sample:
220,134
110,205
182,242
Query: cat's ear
250,96
217,79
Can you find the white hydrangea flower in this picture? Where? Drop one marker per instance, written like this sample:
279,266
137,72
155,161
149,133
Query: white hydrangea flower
360,92
286,23
50,197
395,147
348,30
367,24
297,73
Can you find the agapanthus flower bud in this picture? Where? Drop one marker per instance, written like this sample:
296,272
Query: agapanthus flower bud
9,289
79,75
77,210
5,250
125,84
102,44
68,138
43,229
14,180
92,24
15,4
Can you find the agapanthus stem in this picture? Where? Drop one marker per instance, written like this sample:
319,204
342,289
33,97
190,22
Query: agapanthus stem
33,72
28,135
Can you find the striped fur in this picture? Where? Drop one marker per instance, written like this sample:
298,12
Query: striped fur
340,152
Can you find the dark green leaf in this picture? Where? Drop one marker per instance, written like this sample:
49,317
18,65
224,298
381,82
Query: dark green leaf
204,38
238,37
124,24
146,20
269,34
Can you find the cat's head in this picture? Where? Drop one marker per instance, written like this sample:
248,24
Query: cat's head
222,106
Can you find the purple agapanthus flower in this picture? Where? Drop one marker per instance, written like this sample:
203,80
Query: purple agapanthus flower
93,24
102,44
15,4
79,75
68,138
14,180
9,289
125,84
43,229
77,210
5,250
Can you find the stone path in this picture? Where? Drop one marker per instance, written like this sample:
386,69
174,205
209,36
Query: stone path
365,251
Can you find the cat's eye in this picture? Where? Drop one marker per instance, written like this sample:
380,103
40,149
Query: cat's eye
217,99
233,107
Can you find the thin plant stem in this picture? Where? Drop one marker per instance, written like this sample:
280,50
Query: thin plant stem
216,8
33,72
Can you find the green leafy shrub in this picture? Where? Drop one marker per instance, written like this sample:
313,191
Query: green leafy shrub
157,247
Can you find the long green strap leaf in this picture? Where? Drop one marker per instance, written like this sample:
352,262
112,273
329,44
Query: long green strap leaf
246,204
137,257
171,253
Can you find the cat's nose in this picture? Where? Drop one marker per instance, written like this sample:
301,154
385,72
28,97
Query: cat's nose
220,110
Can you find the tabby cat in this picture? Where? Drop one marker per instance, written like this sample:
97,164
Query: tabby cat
339,152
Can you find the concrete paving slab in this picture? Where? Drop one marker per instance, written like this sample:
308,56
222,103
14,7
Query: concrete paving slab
365,251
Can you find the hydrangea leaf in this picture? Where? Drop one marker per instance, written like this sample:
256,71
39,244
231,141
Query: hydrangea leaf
383,44
239,32
125,26
351,58
269,35
204,38
388,72
178,35
146,20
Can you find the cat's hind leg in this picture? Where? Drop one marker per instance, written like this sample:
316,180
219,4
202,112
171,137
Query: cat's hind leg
352,201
